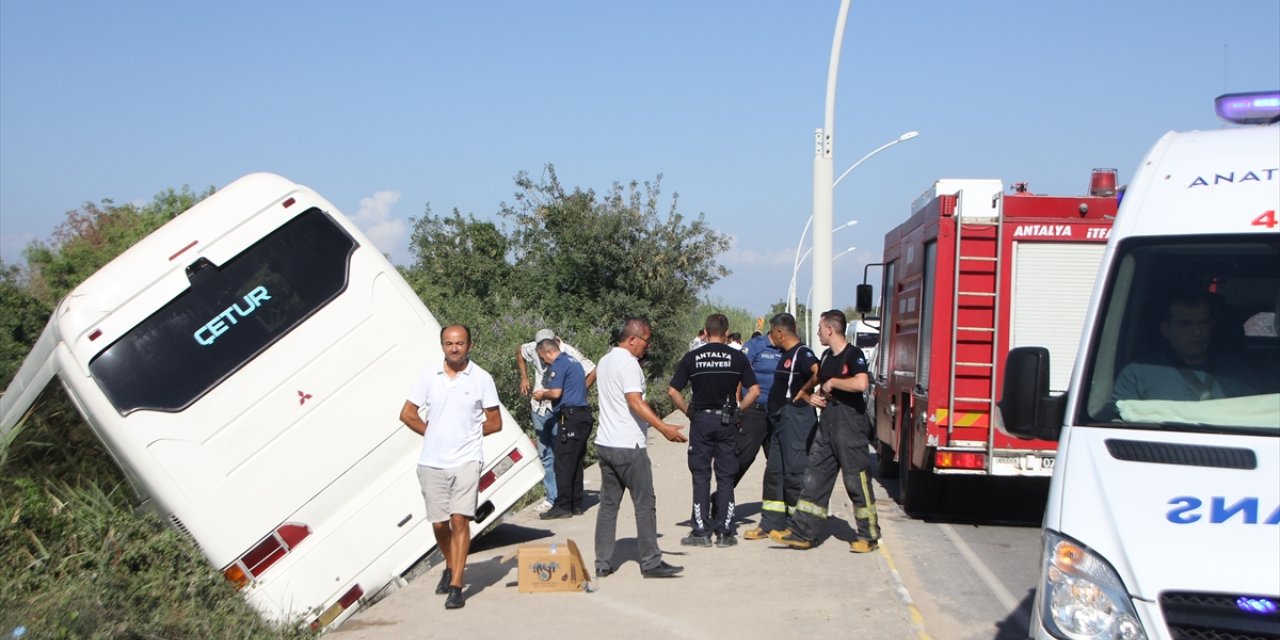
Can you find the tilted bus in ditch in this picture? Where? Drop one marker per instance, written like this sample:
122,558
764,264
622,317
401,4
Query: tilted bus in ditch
244,364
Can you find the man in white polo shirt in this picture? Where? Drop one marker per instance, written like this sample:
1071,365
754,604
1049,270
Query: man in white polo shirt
625,417
461,404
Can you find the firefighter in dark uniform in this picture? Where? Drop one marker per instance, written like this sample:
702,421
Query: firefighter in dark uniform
793,423
566,387
841,446
715,371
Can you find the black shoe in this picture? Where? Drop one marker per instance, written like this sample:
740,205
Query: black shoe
555,513
603,573
455,599
695,540
726,540
442,587
577,511
663,570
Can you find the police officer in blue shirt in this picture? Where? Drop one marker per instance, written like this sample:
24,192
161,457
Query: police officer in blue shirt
566,387
756,425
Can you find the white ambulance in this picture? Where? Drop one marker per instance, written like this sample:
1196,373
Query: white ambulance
1163,518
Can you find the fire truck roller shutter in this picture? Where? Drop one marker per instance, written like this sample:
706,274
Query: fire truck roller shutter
1051,288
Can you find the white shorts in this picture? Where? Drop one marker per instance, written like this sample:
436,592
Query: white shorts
450,491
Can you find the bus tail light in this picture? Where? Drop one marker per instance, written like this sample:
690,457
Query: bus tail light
349,598
960,460
502,467
266,553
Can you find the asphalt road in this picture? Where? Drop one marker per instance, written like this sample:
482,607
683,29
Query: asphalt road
972,568
963,574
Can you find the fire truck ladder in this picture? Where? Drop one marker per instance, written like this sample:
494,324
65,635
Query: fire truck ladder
975,313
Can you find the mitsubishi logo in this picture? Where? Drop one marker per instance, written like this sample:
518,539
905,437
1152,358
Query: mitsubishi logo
303,397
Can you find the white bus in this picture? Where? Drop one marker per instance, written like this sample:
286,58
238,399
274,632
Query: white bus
245,365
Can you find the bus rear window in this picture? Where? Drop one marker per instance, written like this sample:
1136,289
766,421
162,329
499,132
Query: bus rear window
229,315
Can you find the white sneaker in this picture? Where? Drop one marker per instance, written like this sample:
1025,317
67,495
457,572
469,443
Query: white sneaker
543,506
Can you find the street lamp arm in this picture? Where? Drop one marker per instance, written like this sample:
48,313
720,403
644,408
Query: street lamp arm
902,138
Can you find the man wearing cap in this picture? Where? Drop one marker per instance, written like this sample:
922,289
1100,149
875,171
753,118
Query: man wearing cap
544,428
566,386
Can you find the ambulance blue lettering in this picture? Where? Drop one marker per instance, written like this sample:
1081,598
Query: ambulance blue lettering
1221,512
1188,509
1183,512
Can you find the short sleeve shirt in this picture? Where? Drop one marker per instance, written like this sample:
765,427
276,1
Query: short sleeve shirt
849,363
764,358
714,370
454,414
618,374
793,371
566,374
529,351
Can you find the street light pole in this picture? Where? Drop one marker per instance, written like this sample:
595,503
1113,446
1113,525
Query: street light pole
823,171
795,265
808,297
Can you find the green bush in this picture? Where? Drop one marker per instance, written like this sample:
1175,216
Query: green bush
78,562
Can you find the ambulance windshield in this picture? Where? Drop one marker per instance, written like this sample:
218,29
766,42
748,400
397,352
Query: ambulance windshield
1188,336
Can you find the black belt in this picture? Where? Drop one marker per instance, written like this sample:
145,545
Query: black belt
568,411
717,411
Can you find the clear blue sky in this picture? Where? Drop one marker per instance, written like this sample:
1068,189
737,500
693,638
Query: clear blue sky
384,107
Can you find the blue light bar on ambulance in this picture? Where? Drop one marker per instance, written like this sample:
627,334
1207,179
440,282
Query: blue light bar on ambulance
1258,107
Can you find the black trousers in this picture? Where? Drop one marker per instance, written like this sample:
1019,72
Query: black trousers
752,433
711,446
840,447
789,444
571,450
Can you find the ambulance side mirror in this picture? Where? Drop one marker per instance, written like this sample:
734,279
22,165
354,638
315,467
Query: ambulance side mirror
1026,407
863,299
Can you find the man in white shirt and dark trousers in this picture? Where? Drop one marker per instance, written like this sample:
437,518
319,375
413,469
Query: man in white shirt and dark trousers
461,405
715,370
625,417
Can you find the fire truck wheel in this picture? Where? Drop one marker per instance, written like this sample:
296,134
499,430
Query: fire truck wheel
886,465
919,490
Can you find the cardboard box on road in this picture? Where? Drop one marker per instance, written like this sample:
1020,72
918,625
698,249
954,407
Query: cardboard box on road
544,568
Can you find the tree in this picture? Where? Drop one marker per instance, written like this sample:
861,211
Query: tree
572,261
22,318
93,235
603,258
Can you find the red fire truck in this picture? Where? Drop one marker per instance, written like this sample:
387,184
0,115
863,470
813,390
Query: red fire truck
972,273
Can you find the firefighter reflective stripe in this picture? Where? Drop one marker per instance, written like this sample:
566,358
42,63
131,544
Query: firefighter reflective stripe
804,506
777,506
963,418
868,513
